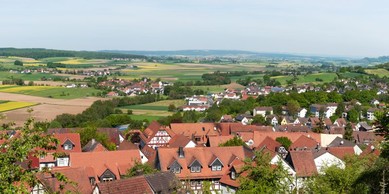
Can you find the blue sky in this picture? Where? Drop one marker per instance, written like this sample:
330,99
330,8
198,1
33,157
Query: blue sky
330,27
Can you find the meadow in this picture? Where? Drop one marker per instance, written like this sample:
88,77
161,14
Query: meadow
7,106
152,111
50,91
311,78
379,72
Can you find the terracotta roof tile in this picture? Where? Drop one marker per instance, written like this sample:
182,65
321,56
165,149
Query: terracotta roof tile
117,161
203,155
72,137
270,144
304,142
135,185
341,152
293,136
178,140
303,163
126,145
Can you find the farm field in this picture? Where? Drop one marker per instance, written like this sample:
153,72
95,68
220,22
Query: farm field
379,72
7,106
311,78
50,91
5,75
220,88
153,110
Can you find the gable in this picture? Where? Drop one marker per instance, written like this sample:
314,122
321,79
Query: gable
174,165
107,174
216,162
195,163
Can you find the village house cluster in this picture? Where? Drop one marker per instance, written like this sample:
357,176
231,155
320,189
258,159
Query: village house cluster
133,88
189,157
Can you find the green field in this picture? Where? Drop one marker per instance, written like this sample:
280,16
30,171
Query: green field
311,78
143,117
379,72
50,91
152,111
5,75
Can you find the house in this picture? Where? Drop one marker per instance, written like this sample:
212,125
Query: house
68,143
363,126
375,102
302,112
245,119
263,110
304,143
199,108
193,166
94,146
48,183
161,182
273,119
197,132
156,135
370,113
107,166
323,159
287,120
181,140
136,185
340,122
365,137
340,142
304,165
226,119
328,109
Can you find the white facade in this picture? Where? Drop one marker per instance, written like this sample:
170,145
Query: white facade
327,160
302,113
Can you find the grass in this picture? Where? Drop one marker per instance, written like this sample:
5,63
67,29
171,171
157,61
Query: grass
215,88
152,111
379,72
5,75
7,106
311,78
50,91
143,117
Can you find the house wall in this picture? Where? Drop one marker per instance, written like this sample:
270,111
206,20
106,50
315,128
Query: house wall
326,139
327,160
63,161
191,144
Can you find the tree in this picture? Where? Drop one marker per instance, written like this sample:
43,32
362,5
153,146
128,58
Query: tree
348,132
89,133
293,107
284,141
13,178
171,108
259,119
263,177
140,169
236,141
353,115
18,63
340,109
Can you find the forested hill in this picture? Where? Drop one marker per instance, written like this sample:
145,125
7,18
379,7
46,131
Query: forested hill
38,53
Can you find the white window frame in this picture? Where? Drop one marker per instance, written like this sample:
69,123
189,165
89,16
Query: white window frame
195,169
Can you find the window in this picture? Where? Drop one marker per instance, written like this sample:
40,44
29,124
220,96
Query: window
216,168
233,175
61,162
176,170
107,179
195,169
67,147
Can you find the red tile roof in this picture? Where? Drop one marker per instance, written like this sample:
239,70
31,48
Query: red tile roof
304,142
80,176
178,140
341,152
269,143
205,156
201,130
303,163
73,137
116,161
293,136
135,185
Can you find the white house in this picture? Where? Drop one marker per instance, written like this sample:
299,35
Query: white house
323,159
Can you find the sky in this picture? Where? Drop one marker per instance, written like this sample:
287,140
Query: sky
353,28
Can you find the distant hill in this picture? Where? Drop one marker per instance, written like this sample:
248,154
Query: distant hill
202,53
38,53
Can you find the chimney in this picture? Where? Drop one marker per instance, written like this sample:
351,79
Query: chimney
181,153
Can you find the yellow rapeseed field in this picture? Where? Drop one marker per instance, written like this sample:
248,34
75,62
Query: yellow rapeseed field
14,105
73,61
26,88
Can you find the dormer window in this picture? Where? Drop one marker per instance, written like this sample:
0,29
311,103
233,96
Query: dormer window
68,145
195,166
216,164
175,167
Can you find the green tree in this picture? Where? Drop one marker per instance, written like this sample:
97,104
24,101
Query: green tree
353,115
348,132
236,141
18,63
259,119
262,177
13,178
140,169
89,133
293,107
171,108
284,141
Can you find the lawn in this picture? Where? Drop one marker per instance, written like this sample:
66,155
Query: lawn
50,91
216,88
152,111
379,72
143,117
5,75
7,106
